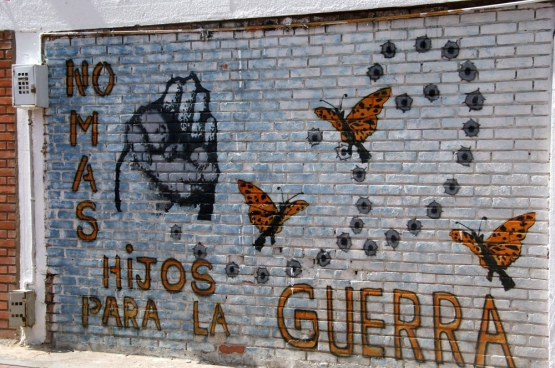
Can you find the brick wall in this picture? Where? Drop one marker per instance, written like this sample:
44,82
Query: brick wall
8,183
163,152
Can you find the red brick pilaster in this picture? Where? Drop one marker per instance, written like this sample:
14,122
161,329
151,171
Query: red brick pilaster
8,183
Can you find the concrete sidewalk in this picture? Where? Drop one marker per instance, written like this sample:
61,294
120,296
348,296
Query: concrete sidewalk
14,356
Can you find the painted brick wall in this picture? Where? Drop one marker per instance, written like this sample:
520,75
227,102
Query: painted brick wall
163,151
8,183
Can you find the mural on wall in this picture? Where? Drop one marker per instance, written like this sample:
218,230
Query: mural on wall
359,271
264,214
173,141
501,248
361,122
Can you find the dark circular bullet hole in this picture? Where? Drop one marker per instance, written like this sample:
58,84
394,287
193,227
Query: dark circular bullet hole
434,210
423,44
450,50
451,186
324,258
389,49
375,72
364,205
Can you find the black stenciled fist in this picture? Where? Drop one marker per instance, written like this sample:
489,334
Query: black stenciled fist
173,142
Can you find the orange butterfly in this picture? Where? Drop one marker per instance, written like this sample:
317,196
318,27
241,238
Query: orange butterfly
264,214
501,249
360,123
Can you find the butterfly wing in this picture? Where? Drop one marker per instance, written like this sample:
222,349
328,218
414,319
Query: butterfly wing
262,210
328,114
505,241
363,119
291,209
467,239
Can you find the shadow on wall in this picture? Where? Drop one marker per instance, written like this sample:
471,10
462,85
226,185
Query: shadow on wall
173,142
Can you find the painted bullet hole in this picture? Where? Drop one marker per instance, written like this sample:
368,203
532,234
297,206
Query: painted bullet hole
464,156
364,205
375,72
315,136
474,100
370,248
232,269
356,225
450,50
423,44
359,174
431,92
129,248
471,128
262,275
344,241
468,71
200,251
451,186
343,151
388,50
176,232
434,210
403,102
414,226
293,268
323,258
392,237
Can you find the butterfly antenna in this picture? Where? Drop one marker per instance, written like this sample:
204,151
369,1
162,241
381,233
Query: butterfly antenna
460,223
281,190
341,104
328,103
295,196
483,219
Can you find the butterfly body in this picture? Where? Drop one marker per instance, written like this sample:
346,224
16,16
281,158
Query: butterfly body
360,123
501,249
265,215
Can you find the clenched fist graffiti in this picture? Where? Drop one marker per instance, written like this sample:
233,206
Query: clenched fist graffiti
173,142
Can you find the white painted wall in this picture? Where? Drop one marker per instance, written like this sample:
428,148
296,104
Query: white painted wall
64,15
30,139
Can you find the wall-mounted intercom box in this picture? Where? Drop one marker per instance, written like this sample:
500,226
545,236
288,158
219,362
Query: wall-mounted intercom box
22,308
30,86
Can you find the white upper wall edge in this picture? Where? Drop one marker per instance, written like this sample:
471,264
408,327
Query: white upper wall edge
66,15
